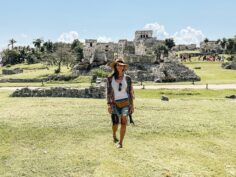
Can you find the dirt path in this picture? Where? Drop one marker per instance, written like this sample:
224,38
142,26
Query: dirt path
210,86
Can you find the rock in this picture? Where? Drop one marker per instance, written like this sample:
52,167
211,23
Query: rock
231,96
197,67
229,65
12,71
164,98
81,68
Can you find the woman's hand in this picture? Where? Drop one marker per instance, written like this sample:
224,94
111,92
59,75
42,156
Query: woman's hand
131,109
109,109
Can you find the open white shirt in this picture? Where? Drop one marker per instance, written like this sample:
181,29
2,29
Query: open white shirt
115,85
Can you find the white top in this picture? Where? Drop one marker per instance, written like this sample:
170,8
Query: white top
115,85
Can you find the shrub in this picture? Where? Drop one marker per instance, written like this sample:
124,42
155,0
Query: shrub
100,73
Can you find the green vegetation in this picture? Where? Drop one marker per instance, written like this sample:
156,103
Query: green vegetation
56,54
212,73
65,137
35,72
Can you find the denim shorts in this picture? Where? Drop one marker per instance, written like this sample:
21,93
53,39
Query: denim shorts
120,111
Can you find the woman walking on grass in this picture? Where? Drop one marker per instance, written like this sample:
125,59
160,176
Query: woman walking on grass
120,97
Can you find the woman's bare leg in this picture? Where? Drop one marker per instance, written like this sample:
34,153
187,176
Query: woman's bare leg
114,130
122,128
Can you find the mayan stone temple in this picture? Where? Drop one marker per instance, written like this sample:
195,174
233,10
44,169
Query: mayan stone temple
141,57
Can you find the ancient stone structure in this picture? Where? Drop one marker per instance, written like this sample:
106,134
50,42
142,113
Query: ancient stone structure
141,48
12,71
91,92
169,71
185,47
210,47
99,53
139,54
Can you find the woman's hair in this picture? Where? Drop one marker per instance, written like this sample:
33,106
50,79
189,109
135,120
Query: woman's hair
116,73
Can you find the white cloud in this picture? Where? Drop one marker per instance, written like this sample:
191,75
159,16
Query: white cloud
187,35
159,30
68,37
82,40
104,39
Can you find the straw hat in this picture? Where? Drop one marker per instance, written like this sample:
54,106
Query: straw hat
120,61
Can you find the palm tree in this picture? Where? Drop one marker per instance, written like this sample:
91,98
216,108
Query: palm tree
12,42
37,43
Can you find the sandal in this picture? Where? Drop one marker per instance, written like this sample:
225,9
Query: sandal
115,140
119,145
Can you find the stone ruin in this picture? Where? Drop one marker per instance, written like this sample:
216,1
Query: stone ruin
12,71
138,50
139,54
230,64
91,92
171,71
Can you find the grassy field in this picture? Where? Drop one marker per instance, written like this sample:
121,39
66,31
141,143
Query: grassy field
210,73
191,135
33,71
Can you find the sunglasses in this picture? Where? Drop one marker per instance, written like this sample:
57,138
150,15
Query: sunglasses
120,86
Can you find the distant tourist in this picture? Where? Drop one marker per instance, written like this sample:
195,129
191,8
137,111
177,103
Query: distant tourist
120,97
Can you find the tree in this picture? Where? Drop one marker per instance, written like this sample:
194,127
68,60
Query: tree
223,43
230,46
62,55
169,43
11,57
48,46
206,40
77,48
218,41
160,49
12,42
37,43
31,57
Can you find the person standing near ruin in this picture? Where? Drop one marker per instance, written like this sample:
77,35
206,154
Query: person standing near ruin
120,97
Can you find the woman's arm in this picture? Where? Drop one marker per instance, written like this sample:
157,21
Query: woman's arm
109,91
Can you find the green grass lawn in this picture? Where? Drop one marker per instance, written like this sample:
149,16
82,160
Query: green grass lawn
212,73
191,135
34,71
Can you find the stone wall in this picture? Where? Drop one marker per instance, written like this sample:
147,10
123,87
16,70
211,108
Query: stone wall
12,71
139,58
143,34
55,77
98,52
91,92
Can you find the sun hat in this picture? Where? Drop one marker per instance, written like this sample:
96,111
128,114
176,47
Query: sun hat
119,61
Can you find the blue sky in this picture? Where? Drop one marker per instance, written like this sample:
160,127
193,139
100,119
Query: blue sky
187,21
